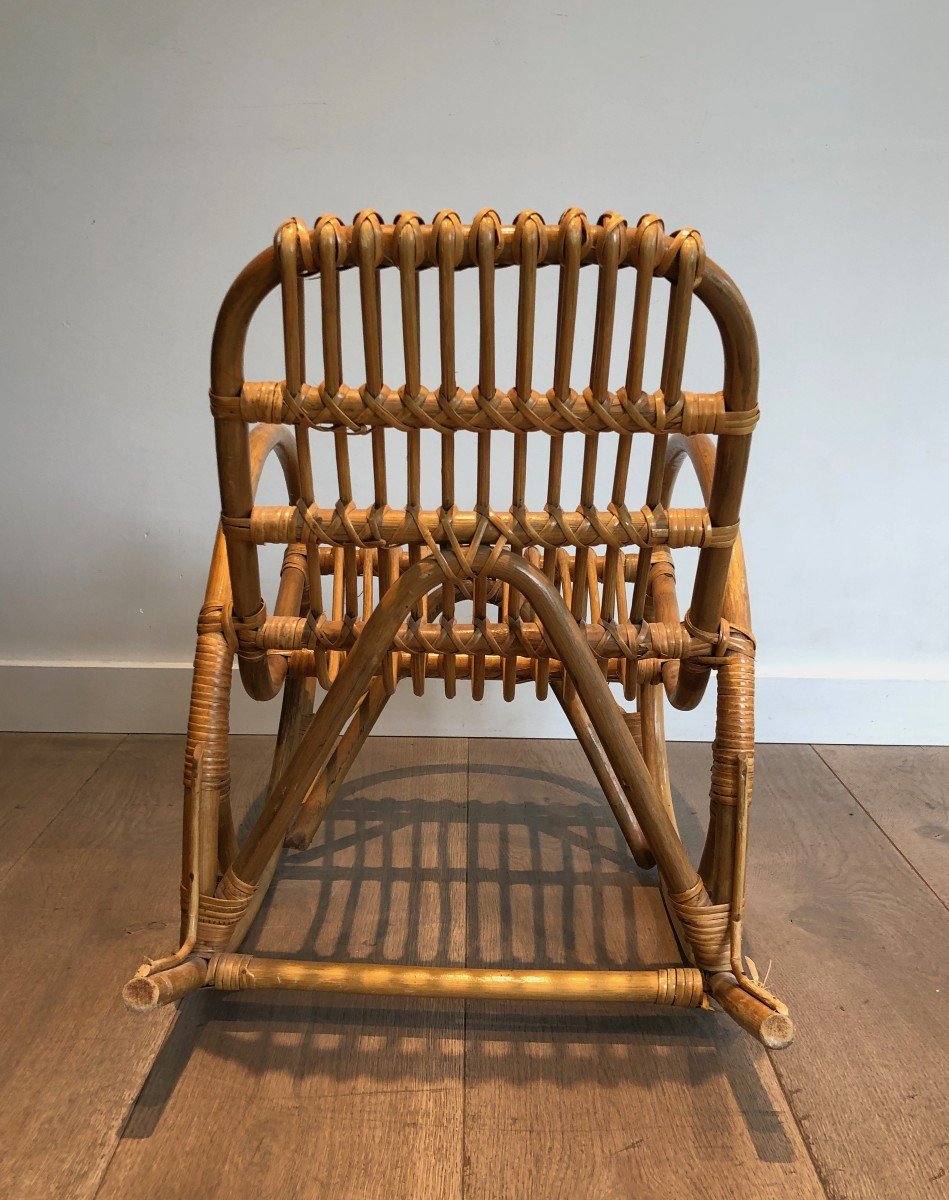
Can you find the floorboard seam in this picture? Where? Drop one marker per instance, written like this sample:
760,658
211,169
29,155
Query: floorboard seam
134,1103
148,1074
66,803
805,1140
822,1182
912,866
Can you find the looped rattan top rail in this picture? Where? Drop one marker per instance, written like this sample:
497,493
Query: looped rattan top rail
332,245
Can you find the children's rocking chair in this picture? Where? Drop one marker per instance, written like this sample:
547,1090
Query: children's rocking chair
568,600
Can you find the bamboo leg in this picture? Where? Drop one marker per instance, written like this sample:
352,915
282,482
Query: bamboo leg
296,713
137,992
740,855
317,803
144,994
649,706
723,860
208,842
161,981
607,780
773,1029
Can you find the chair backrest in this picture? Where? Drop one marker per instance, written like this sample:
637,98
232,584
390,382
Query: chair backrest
405,405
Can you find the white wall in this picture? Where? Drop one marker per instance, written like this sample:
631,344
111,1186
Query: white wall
149,150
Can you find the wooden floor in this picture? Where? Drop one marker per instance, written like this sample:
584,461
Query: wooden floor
490,852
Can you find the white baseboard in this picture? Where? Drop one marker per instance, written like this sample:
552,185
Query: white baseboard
153,698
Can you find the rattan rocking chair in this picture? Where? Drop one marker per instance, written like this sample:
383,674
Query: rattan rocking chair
579,598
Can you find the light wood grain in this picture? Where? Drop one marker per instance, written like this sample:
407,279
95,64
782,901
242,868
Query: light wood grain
905,789
861,951
39,774
257,1095
571,1102
77,912
364,1097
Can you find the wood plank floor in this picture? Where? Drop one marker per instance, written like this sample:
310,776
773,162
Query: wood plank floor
494,852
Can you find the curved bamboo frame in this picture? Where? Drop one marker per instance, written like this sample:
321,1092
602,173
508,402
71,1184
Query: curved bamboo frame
565,619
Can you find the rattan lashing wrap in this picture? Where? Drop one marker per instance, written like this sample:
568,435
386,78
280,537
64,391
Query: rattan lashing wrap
705,925
382,526
469,412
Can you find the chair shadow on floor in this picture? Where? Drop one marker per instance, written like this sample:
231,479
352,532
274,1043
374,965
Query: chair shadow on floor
528,868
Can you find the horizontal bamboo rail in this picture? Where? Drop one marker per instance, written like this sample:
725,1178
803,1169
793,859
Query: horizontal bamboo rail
680,986
357,410
675,527
520,638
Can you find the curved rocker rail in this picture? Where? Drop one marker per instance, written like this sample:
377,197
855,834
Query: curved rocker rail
565,621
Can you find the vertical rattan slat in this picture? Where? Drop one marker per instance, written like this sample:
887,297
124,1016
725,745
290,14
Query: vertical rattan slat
530,238
449,249
409,250
368,248
574,238
650,229
485,245
673,360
